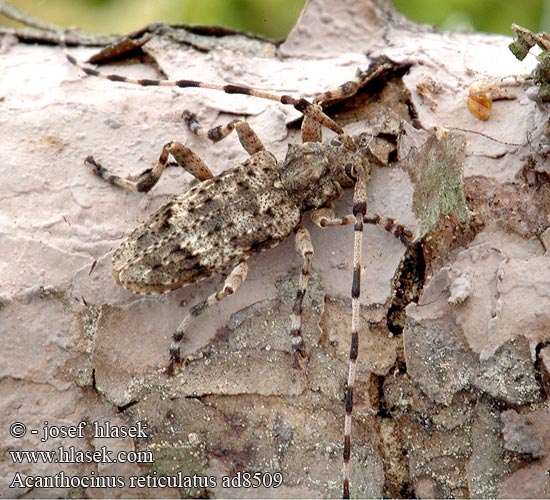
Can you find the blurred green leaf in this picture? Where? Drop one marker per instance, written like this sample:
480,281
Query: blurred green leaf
275,18
489,15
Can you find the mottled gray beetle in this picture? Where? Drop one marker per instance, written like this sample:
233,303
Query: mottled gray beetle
219,223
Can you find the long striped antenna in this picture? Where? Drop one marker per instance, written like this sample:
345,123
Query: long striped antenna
359,211
302,105
359,217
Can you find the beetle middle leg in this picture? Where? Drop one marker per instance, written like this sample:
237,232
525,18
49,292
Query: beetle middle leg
231,285
247,137
305,248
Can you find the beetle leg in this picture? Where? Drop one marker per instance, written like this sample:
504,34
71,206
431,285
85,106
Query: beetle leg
325,217
311,128
231,285
143,182
247,137
305,248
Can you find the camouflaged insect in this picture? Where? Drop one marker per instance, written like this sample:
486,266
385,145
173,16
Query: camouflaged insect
222,221
253,206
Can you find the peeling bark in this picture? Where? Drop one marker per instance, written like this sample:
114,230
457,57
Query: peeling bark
441,408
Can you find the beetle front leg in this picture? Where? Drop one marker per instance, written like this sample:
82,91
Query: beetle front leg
325,217
311,128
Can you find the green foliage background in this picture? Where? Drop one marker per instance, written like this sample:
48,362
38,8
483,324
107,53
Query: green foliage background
275,18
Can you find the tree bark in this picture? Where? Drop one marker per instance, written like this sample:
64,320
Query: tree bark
453,369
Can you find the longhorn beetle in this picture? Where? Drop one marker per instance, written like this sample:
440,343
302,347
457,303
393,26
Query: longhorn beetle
251,207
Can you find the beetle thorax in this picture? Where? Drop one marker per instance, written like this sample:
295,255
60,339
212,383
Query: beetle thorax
314,174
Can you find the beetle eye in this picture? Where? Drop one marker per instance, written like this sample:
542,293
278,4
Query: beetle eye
335,142
350,171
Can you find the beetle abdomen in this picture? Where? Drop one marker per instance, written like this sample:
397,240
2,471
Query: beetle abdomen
213,226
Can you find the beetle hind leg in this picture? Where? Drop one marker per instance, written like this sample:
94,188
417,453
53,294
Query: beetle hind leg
231,285
145,181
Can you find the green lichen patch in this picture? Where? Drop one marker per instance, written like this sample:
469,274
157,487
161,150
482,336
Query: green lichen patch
520,47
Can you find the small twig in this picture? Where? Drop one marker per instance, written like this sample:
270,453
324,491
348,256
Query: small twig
13,13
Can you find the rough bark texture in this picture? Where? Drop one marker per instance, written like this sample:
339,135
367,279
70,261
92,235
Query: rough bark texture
451,399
